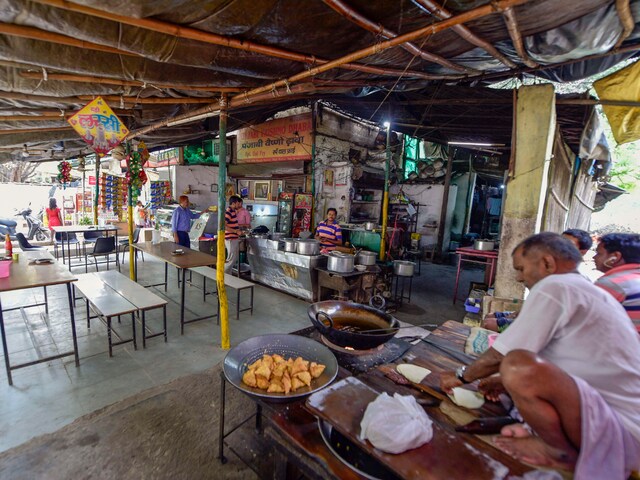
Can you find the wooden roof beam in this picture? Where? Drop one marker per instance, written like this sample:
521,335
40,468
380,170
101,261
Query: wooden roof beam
180,31
66,77
628,23
354,16
18,131
442,13
511,21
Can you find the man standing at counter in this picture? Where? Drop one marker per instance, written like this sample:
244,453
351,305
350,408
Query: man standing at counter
329,232
232,232
181,222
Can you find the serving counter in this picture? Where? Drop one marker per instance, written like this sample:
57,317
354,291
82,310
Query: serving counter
290,272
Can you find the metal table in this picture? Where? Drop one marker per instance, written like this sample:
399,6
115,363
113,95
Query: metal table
190,259
81,229
26,274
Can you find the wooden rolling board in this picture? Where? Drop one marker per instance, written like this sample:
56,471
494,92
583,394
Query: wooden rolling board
445,456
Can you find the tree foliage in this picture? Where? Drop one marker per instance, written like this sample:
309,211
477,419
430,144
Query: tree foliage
17,172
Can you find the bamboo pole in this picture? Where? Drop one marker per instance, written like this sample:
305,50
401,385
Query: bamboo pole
37,34
180,31
442,13
220,255
511,21
132,272
67,77
626,18
385,197
96,197
379,29
17,131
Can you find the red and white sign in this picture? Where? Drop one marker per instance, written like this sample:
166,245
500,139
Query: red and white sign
92,180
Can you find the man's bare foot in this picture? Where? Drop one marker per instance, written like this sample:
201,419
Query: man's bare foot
517,441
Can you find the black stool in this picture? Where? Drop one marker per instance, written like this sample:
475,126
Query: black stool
401,281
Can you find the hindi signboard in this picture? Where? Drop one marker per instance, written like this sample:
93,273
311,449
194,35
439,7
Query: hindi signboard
99,126
281,140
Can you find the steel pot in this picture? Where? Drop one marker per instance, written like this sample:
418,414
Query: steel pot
339,322
369,226
277,235
340,262
308,247
403,268
289,244
366,258
484,245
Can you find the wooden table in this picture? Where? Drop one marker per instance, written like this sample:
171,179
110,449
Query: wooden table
489,258
81,229
293,433
190,259
26,274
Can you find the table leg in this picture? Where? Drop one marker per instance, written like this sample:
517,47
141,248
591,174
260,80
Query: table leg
133,328
164,322
46,301
221,456
492,271
73,324
69,251
144,331
182,301
455,289
109,336
7,365
238,304
135,266
166,276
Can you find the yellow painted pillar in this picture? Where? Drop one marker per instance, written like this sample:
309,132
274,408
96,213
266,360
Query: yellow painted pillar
385,199
535,120
225,341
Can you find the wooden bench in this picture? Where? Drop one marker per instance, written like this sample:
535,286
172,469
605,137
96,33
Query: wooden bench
236,283
111,294
139,296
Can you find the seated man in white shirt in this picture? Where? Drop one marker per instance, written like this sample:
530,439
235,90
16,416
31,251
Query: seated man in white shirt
571,364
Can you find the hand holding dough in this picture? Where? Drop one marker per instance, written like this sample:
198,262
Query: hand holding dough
466,398
413,373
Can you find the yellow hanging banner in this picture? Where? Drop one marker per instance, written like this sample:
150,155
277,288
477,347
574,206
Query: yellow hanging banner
99,126
622,85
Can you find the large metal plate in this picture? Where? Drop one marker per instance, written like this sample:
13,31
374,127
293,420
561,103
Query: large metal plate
247,352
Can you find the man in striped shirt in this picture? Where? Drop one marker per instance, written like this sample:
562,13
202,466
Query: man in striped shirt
618,256
329,232
231,232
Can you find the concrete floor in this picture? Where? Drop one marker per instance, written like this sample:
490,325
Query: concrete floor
47,396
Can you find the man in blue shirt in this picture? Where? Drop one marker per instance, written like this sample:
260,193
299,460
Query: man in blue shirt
181,221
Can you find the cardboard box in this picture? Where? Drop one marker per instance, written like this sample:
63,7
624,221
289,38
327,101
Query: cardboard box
496,304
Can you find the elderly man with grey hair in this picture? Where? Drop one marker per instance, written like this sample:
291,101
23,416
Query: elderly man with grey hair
571,364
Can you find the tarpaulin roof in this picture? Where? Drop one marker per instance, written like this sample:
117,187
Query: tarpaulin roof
153,61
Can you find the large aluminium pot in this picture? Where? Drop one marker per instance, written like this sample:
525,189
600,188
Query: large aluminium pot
340,262
289,244
484,245
366,258
308,247
403,268
340,323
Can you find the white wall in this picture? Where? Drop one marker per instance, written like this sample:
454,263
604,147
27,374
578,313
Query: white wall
200,177
430,199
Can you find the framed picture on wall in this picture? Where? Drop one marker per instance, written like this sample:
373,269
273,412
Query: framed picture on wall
243,188
261,190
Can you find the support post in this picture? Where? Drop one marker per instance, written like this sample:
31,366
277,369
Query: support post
445,204
132,272
220,257
96,197
385,197
526,189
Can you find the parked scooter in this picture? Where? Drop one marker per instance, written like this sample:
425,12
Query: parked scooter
8,226
34,225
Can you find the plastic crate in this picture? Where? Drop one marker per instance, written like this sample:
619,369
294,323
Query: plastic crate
471,307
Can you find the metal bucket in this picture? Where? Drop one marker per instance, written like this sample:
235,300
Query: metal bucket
403,268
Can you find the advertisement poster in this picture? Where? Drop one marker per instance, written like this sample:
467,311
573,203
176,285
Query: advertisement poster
99,126
281,140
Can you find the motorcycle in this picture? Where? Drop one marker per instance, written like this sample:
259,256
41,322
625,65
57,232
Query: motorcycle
34,225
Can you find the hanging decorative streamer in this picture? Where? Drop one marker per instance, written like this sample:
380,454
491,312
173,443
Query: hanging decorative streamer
136,175
64,176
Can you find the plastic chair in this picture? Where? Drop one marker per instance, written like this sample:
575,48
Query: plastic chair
124,244
104,247
91,237
70,238
25,245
